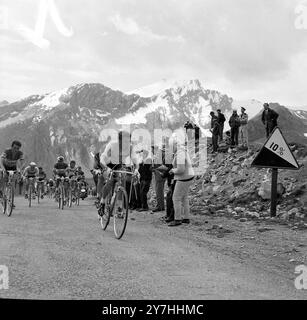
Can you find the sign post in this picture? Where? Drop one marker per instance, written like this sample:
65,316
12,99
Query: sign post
274,192
275,154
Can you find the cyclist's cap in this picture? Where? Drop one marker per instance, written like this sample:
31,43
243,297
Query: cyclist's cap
60,158
32,164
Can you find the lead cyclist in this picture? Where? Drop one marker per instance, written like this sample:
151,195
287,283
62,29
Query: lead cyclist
10,160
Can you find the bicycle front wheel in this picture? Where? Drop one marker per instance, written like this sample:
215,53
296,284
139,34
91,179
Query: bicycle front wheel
30,196
38,193
3,203
120,212
9,200
69,204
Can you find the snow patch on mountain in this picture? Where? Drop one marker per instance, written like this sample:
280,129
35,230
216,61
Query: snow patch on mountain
161,86
139,117
51,100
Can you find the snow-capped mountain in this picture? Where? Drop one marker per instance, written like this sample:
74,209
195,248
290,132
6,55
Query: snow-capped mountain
69,122
3,103
179,101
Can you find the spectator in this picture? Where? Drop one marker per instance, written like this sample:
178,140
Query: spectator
98,176
269,119
184,176
213,117
243,127
221,120
145,170
234,123
228,138
215,135
159,154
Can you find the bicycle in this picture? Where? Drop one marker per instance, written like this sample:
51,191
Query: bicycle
60,193
31,190
73,193
8,194
116,204
39,190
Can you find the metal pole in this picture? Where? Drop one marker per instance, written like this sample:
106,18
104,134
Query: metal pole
274,192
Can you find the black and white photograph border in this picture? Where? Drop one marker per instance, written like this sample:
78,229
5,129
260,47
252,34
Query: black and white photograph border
153,150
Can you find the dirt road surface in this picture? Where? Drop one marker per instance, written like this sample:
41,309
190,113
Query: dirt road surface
53,254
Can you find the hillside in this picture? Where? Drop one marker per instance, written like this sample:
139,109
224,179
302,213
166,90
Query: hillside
293,127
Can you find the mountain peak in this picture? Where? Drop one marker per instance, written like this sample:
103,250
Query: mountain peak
166,84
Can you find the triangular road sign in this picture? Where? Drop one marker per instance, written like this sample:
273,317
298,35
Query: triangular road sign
276,153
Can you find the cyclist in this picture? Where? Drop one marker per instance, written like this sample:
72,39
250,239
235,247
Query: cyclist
31,171
59,171
117,155
10,160
72,172
50,186
72,169
41,178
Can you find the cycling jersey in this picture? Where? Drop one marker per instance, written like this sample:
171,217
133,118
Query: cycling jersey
30,172
61,168
10,159
42,176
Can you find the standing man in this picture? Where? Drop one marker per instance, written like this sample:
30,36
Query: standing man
234,123
159,179
213,117
269,119
215,135
221,120
145,171
243,127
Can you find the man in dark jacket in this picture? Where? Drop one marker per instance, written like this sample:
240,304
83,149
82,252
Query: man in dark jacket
234,123
145,171
269,119
221,120
215,135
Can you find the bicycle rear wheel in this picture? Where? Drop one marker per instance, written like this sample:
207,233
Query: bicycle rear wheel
120,212
9,200
105,218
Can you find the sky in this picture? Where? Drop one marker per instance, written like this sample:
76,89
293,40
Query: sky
244,48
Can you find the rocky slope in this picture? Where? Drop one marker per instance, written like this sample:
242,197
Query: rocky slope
231,187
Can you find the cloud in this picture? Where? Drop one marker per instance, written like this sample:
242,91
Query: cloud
130,27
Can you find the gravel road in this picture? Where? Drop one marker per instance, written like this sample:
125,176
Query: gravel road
53,254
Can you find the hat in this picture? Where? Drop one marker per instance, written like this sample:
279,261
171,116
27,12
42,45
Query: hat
242,108
32,164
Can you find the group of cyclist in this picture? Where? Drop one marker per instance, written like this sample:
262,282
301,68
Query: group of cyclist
12,160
